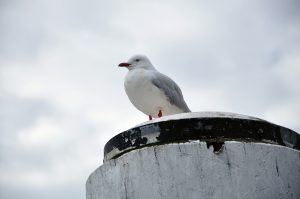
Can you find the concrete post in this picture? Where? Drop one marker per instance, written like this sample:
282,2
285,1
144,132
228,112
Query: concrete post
200,155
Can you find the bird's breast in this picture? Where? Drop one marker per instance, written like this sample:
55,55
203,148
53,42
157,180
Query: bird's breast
142,93
138,85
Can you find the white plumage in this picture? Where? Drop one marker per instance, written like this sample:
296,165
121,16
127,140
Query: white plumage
150,91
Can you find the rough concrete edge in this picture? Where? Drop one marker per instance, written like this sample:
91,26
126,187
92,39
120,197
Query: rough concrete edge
205,114
113,160
115,155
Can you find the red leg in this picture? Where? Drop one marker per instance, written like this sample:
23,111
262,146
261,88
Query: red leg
150,117
159,113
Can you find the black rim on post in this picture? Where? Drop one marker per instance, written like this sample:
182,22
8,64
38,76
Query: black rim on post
206,129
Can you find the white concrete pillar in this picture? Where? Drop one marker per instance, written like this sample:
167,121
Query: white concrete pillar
200,155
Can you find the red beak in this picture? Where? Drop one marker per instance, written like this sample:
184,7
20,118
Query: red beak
124,65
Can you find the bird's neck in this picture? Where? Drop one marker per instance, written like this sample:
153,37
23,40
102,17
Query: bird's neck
144,68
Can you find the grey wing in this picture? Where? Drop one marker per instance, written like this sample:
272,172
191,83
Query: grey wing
171,90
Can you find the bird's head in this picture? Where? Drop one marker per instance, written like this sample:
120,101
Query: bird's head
137,62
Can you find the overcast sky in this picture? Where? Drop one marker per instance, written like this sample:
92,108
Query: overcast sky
62,95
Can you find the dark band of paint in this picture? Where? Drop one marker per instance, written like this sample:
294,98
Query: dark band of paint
208,129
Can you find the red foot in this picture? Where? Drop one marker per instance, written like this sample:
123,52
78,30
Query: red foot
150,117
159,113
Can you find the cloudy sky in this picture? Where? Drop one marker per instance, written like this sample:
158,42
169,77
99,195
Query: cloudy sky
62,95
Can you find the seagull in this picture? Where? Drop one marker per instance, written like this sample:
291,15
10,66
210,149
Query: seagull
150,91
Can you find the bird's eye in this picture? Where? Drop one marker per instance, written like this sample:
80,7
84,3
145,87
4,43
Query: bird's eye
137,60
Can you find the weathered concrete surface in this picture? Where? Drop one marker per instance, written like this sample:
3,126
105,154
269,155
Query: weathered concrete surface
190,170
200,155
203,126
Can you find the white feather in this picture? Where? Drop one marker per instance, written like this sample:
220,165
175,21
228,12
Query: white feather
146,95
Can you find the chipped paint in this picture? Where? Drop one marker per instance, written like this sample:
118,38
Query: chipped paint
243,170
200,155
205,126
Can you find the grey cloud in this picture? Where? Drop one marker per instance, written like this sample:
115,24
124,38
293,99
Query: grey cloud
18,161
17,113
26,191
28,27
236,49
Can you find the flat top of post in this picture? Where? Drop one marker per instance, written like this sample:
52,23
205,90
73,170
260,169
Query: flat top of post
202,126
